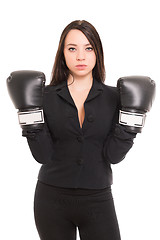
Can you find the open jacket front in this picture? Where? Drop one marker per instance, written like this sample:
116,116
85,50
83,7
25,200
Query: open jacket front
76,157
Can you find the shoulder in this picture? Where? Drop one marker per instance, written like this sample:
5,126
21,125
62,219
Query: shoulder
53,88
110,89
49,94
48,89
111,92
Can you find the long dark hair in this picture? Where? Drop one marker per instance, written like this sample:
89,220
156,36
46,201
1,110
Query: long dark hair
60,71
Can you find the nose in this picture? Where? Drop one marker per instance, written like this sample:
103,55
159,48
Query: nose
80,55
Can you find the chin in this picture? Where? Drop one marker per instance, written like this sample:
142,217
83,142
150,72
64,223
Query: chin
81,73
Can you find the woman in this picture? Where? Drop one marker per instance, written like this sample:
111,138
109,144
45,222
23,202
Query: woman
74,189
78,142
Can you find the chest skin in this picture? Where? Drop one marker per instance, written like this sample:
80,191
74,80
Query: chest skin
79,98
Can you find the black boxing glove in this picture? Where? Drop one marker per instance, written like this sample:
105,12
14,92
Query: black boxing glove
136,97
26,91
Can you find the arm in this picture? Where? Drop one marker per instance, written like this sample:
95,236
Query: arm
26,89
136,95
118,142
41,144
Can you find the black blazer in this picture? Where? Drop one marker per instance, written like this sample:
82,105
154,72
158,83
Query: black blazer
76,157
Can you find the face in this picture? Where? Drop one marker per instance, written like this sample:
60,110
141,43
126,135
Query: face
79,54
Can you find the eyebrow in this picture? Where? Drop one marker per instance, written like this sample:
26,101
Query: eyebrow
76,44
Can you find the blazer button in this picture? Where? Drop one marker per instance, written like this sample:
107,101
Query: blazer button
90,118
80,138
80,161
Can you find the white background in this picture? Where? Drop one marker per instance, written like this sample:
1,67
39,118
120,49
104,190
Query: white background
129,31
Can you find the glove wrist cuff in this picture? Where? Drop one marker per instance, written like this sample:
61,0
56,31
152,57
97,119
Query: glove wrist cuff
132,119
31,117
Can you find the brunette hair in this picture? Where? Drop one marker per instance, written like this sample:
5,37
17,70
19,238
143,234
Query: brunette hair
60,71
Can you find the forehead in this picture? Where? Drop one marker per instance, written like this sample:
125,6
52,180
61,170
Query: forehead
77,37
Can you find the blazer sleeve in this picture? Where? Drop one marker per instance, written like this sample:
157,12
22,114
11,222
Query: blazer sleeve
41,144
119,141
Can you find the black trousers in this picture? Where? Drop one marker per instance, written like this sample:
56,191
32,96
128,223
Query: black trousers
59,211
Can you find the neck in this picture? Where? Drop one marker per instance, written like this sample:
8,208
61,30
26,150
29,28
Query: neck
80,82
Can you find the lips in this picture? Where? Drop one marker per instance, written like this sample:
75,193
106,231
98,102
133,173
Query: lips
81,66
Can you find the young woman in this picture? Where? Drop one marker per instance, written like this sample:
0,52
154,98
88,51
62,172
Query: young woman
79,137
74,189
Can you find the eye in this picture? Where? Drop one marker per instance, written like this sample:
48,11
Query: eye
72,49
89,49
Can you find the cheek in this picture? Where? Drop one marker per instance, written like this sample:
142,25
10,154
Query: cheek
68,59
92,60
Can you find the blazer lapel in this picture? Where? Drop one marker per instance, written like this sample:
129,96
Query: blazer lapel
63,91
